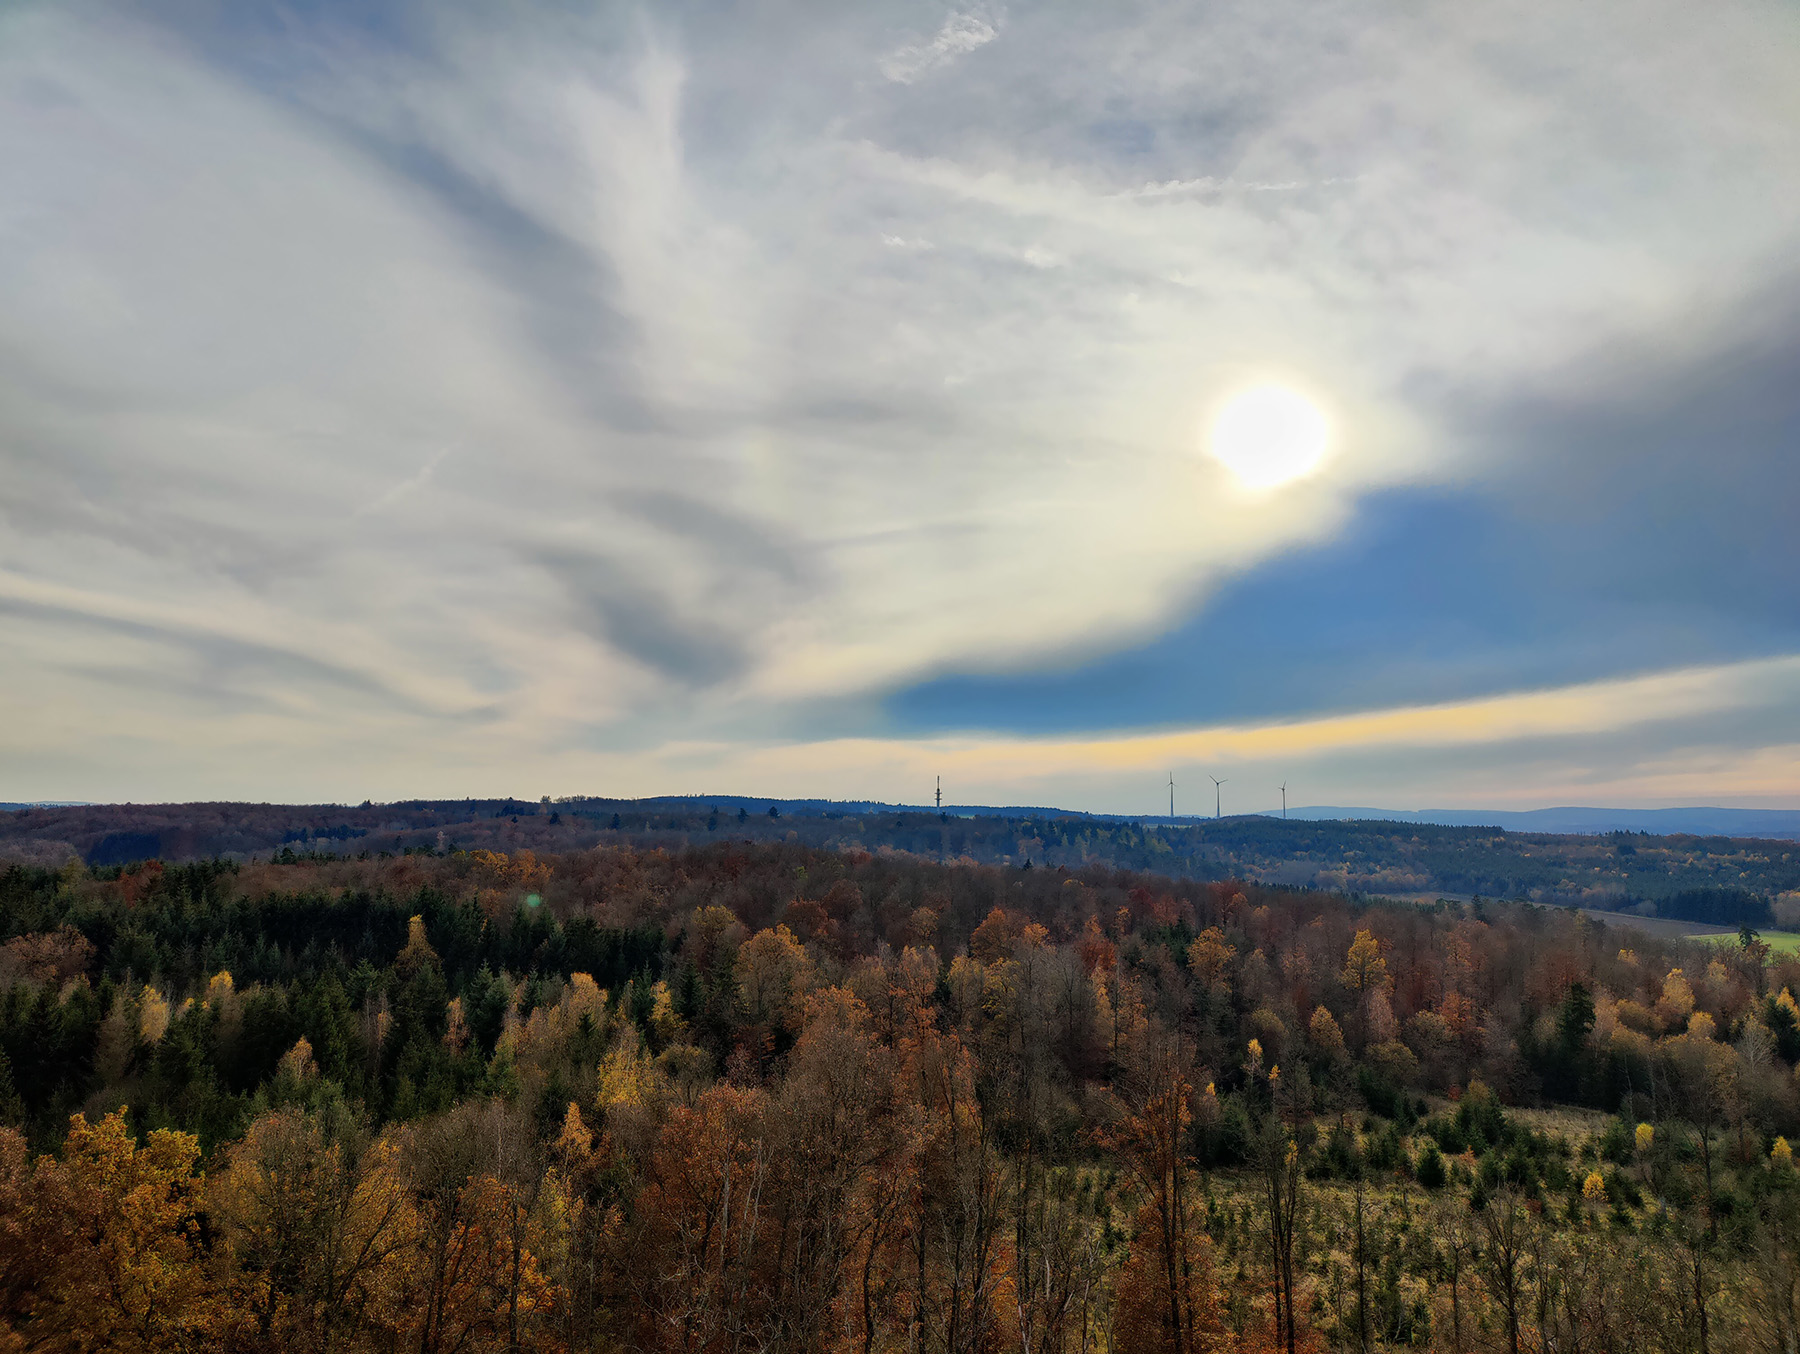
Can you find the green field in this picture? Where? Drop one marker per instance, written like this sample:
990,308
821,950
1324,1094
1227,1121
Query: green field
1779,942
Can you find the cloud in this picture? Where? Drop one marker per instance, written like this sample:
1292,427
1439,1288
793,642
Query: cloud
222,654
776,387
628,612
411,484
1183,188
1729,732
960,35
1633,520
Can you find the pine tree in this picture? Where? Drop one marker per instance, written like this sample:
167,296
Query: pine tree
12,1107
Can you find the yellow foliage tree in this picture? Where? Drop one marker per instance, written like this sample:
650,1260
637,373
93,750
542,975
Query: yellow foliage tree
1327,1037
628,1075
1677,1001
308,1229
1209,955
417,952
773,973
153,1016
665,1020
1365,973
965,982
1364,968
467,1276
118,1225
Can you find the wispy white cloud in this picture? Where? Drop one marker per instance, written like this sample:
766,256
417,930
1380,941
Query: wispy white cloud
1207,184
411,484
960,35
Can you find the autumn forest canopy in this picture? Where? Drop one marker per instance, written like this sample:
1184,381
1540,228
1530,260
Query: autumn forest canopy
773,1094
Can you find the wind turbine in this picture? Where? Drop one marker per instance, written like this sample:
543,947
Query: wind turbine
1284,799
1171,796
1218,798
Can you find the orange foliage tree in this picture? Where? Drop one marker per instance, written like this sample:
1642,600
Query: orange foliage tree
1166,1299
101,1249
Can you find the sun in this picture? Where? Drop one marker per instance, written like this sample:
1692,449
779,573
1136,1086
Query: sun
1269,436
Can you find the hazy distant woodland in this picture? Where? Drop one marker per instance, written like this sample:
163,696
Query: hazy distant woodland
1713,880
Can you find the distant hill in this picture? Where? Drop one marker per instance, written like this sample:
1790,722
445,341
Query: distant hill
1768,824
1711,878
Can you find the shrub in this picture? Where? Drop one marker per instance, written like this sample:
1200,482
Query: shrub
1430,1170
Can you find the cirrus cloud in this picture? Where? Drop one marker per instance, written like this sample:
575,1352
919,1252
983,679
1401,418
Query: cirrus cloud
960,35
772,388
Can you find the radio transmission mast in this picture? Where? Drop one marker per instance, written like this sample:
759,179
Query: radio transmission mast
1171,796
940,794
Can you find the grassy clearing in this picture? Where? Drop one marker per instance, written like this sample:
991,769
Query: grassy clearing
1574,1125
1779,942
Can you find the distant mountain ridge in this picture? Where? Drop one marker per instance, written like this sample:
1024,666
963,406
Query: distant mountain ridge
1773,824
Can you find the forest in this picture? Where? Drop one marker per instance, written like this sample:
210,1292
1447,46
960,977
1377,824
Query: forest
768,1095
1710,880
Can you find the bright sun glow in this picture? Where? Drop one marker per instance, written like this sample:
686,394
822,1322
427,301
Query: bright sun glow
1269,436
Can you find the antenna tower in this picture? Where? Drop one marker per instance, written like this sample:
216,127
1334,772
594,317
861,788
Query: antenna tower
1171,796
940,794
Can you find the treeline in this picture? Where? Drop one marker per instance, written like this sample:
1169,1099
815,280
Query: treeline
1696,878
774,1097
1718,907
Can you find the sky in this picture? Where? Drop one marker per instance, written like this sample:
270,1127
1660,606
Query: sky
440,399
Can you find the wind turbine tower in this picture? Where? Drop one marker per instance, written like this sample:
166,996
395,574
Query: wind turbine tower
1218,797
1284,801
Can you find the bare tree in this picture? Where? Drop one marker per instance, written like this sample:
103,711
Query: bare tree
1506,1233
